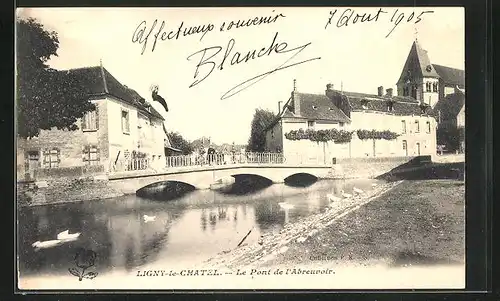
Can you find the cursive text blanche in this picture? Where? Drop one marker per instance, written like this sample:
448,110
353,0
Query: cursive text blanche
207,61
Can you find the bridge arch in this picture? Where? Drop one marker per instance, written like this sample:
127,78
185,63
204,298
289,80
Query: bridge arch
301,179
167,189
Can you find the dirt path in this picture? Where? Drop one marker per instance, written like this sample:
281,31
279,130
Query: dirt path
400,223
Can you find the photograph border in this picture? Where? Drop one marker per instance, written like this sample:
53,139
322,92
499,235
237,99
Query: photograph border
479,151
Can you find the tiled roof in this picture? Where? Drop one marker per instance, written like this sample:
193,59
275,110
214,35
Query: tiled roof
320,107
451,76
98,81
417,64
401,105
449,106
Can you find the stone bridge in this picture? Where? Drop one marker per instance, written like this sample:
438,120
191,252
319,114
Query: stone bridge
203,177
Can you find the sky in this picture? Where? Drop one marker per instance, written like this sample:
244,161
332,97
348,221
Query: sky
358,57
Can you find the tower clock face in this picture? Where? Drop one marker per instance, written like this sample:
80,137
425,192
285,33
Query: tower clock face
428,68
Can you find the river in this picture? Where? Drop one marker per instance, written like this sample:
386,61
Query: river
186,230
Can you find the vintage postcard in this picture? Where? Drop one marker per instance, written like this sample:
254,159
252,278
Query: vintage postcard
240,148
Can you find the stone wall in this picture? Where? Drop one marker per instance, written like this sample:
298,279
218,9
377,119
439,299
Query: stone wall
374,167
64,190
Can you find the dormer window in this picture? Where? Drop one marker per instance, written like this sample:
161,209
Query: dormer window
331,109
315,107
364,104
423,108
390,106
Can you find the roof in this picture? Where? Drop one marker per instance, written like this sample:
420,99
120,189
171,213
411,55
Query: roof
417,64
98,81
449,106
451,76
319,107
326,110
401,105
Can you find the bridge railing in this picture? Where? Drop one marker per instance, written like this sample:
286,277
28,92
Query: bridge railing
224,159
139,164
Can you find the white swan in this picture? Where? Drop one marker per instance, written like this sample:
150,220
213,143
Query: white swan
345,195
46,244
148,218
285,205
332,197
66,236
357,190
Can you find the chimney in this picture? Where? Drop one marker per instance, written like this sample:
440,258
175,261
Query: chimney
389,92
381,91
329,91
295,99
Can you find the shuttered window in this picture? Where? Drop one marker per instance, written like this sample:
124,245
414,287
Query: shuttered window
90,155
51,158
90,121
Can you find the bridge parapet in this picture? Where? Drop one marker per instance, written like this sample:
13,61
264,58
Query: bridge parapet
197,161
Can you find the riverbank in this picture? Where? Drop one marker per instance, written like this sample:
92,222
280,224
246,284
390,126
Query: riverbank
64,190
274,245
399,224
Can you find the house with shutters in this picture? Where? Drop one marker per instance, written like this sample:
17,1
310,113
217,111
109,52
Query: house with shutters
340,124
124,126
442,88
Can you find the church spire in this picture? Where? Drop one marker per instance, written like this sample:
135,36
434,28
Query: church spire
417,65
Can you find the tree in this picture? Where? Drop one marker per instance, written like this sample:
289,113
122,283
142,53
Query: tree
179,142
46,97
261,120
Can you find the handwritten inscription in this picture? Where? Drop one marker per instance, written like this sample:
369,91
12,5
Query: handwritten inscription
351,17
207,61
142,34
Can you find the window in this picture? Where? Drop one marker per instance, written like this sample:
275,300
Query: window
341,124
414,92
434,87
404,145
272,133
428,87
417,126
310,124
91,155
390,106
428,127
406,91
51,158
90,121
403,126
125,122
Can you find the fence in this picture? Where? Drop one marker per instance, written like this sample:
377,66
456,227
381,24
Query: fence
225,159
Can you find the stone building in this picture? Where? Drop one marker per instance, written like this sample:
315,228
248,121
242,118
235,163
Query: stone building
123,126
441,87
403,126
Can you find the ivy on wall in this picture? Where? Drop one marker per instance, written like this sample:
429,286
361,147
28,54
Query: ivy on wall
337,136
373,134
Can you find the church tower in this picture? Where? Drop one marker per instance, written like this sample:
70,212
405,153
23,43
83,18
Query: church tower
419,79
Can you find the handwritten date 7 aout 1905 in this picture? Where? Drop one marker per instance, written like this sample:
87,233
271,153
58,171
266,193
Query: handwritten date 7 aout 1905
351,16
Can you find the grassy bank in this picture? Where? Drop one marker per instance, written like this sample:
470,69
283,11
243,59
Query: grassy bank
418,222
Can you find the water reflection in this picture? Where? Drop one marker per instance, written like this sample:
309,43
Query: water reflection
191,228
